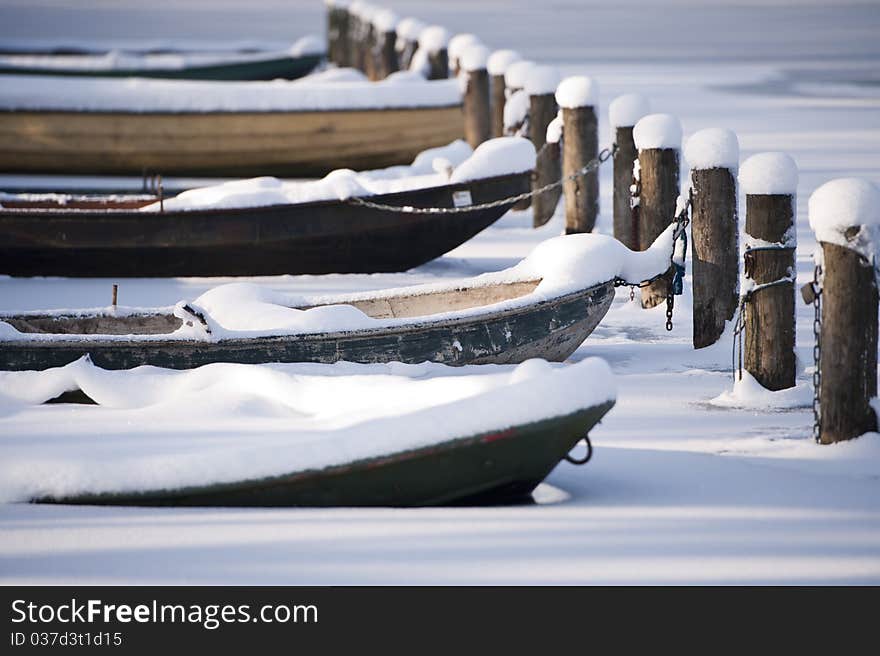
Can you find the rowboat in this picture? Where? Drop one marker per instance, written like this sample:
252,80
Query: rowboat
544,307
299,60
266,227
434,445
297,128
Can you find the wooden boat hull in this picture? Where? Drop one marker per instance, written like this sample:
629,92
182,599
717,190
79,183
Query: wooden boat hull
289,68
550,329
231,144
320,237
494,467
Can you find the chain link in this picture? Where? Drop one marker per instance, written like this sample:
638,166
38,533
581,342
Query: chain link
510,200
817,353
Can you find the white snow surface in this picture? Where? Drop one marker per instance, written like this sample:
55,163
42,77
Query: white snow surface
474,57
577,91
433,38
554,129
500,60
769,174
517,74
841,205
627,109
542,80
138,95
516,108
679,490
657,131
461,42
299,417
712,148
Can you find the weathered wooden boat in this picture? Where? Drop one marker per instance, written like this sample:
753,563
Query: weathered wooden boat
166,65
503,466
60,235
472,322
105,126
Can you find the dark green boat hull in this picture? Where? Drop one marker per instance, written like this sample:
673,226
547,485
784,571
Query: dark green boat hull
289,68
496,467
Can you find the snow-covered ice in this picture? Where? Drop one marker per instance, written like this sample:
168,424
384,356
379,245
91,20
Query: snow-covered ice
679,490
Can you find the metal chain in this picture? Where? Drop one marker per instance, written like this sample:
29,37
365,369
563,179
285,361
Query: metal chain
817,353
510,200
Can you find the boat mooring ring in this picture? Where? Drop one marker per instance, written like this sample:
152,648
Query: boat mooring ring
587,456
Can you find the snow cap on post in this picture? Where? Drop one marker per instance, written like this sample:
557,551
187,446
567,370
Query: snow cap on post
657,131
385,20
474,57
459,43
433,38
554,129
846,212
769,174
626,110
363,10
712,148
577,91
500,61
410,28
517,73
541,80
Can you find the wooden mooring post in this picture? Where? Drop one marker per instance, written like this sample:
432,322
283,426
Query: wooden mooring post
578,97
456,49
541,86
713,155
497,65
408,30
385,46
472,63
769,181
845,216
624,112
658,139
434,41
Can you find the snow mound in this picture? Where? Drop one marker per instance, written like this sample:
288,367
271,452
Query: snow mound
712,148
846,212
474,57
542,80
433,38
749,394
385,20
626,110
517,73
496,157
409,28
308,45
226,422
577,91
769,174
657,131
139,95
428,169
500,61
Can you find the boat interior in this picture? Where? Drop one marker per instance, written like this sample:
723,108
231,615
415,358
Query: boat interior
401,306
62,202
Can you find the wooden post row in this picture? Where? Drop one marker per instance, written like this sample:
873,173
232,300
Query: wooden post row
713,156
472,64
385,45
769,181
578,97
658,139
541,87
408,30
624,112
517,107
497,65
845,216
433,41
456,48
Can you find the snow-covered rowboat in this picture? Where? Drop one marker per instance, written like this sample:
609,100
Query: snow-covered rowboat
544,307
298,128
299,60
264,226
310,435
